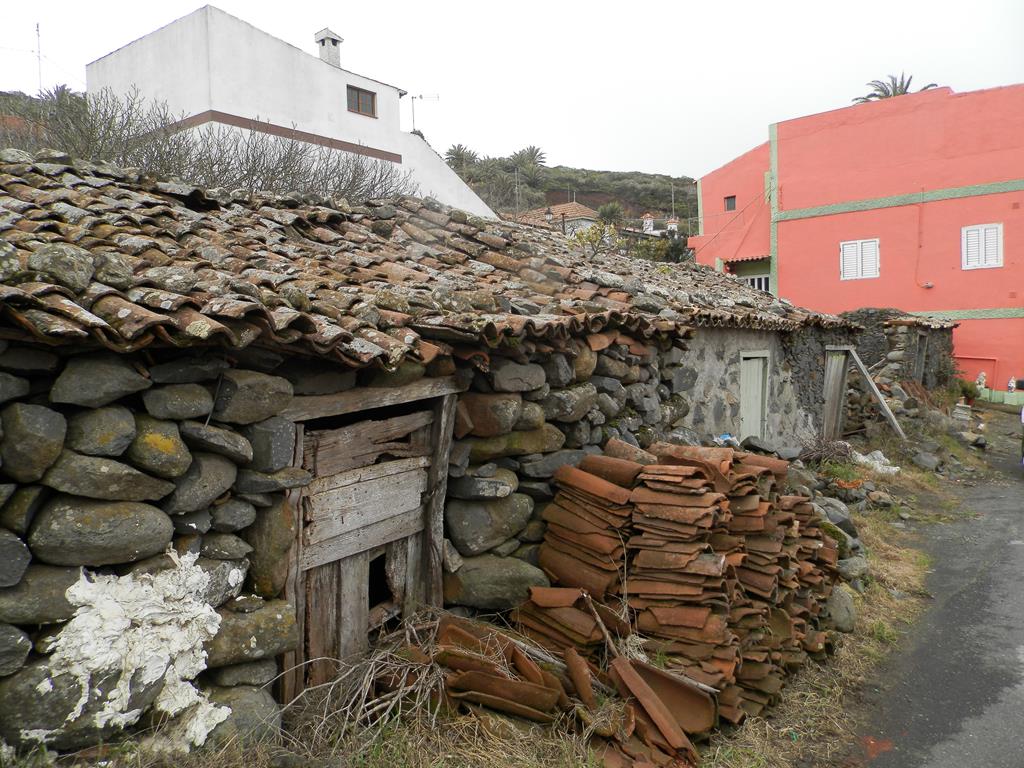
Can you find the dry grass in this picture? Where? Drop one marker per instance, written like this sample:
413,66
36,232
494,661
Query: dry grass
812,725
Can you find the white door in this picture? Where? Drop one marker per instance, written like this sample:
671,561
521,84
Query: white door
753,393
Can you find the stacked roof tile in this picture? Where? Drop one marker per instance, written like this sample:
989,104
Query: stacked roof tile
92,253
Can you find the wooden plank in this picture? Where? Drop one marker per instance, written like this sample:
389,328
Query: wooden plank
890,417
292,681
322,621
396,568
367,398
365,474
354,598
331,515
414,584
359,445
836,366
362,539
444,423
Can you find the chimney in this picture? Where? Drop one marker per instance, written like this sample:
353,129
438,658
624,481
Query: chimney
330,46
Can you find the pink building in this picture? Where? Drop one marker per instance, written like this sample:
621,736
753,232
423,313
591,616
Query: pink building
911,202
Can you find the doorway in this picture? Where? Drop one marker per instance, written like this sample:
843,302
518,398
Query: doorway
753,393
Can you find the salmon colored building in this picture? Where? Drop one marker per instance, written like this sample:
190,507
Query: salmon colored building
915,202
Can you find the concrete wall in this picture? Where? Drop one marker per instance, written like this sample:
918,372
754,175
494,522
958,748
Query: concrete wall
210,60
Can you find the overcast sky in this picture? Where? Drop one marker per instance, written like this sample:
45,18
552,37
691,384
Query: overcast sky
673,87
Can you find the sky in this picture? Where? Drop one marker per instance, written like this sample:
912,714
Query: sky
662,87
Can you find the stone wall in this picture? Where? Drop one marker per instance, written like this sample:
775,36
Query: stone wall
127,489
890,344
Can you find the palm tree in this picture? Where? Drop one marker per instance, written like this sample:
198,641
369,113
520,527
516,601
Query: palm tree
886,90
459,157
611,213
530,157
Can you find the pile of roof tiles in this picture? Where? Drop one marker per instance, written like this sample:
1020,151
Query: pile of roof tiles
722,576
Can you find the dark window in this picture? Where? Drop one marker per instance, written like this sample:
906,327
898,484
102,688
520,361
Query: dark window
363,102
730,203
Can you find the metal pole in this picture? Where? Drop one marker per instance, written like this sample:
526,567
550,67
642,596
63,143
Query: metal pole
39,60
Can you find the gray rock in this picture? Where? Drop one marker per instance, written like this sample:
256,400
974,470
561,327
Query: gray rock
64,264
491,414
509,376
682,379
476,526
258,500
6,491
70,530
98,477
502,484
33,436
789,452
271,536
451,559
558,370
223,442
14,649
226,576
758,444
317,378
12,387
532,417
537,490
570,404
538,394
260,482
101,432
208,477
248,396
837,513
113,269
492,583
233,515
27,361
840,610
506,548
21,507
178,401
611,387
534,531
852,568
95,380
608,405
490,469
253,673
39,597
245,604
193,522
158,448
528,553
926,461
188,370
273,443
548,464
224,546
261,634
14,558
255,718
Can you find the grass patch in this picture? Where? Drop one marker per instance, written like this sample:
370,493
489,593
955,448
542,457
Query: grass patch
840,470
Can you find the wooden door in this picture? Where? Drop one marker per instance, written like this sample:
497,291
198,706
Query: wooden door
837,364
753,393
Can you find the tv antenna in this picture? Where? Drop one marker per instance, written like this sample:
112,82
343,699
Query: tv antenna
421,97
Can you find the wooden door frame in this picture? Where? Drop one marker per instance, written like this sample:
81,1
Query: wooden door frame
834,394
442,396
757,354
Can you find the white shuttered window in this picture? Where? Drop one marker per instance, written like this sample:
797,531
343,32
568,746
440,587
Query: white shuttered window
981,246
858,259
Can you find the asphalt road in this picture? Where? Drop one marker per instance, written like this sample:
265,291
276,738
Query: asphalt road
954,698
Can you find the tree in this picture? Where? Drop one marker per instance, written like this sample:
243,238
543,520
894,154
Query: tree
597,239
460,157
129,131
881,89
611,213
529,157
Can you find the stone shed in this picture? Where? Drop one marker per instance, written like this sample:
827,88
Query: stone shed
240,432
900,347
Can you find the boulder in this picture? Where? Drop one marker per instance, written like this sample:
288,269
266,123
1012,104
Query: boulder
102,431
208,477
14,649
558,372
926,461
255,717
543,440
758,444
260,482
609,366
98,477
178,401
39,597
532,417
193,522
837,513
840,610
233,515
261,634
12,387
584,363
70,530
97,379
33,436
509,376
273,443
476,526
64,264
14,558
528,553
223,442
28,361
251,673
570,404
188,370
248,396
506,547
158,448
548,464
492,414
682,379
789,452
852,568
271,537
469,487
493,583
224,546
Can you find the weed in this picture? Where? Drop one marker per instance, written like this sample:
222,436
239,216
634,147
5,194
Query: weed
837,470
883,632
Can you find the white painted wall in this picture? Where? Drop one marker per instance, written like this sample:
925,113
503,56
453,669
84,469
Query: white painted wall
210,60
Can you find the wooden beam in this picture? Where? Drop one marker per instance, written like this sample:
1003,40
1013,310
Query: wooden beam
293,680
873,388
353,625
433,507
366,398
361,444
366,474
405,523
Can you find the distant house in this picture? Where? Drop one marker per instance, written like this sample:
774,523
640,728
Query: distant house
564,217
215,68
913,202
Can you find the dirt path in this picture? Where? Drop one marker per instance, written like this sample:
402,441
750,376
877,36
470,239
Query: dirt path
954,696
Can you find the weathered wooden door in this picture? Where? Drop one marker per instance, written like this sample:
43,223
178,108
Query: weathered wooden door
753,393
369,526
837,364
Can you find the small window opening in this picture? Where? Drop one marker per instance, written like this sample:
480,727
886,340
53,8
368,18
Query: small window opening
730,203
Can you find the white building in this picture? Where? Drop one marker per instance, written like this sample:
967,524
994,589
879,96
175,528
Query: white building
213,67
